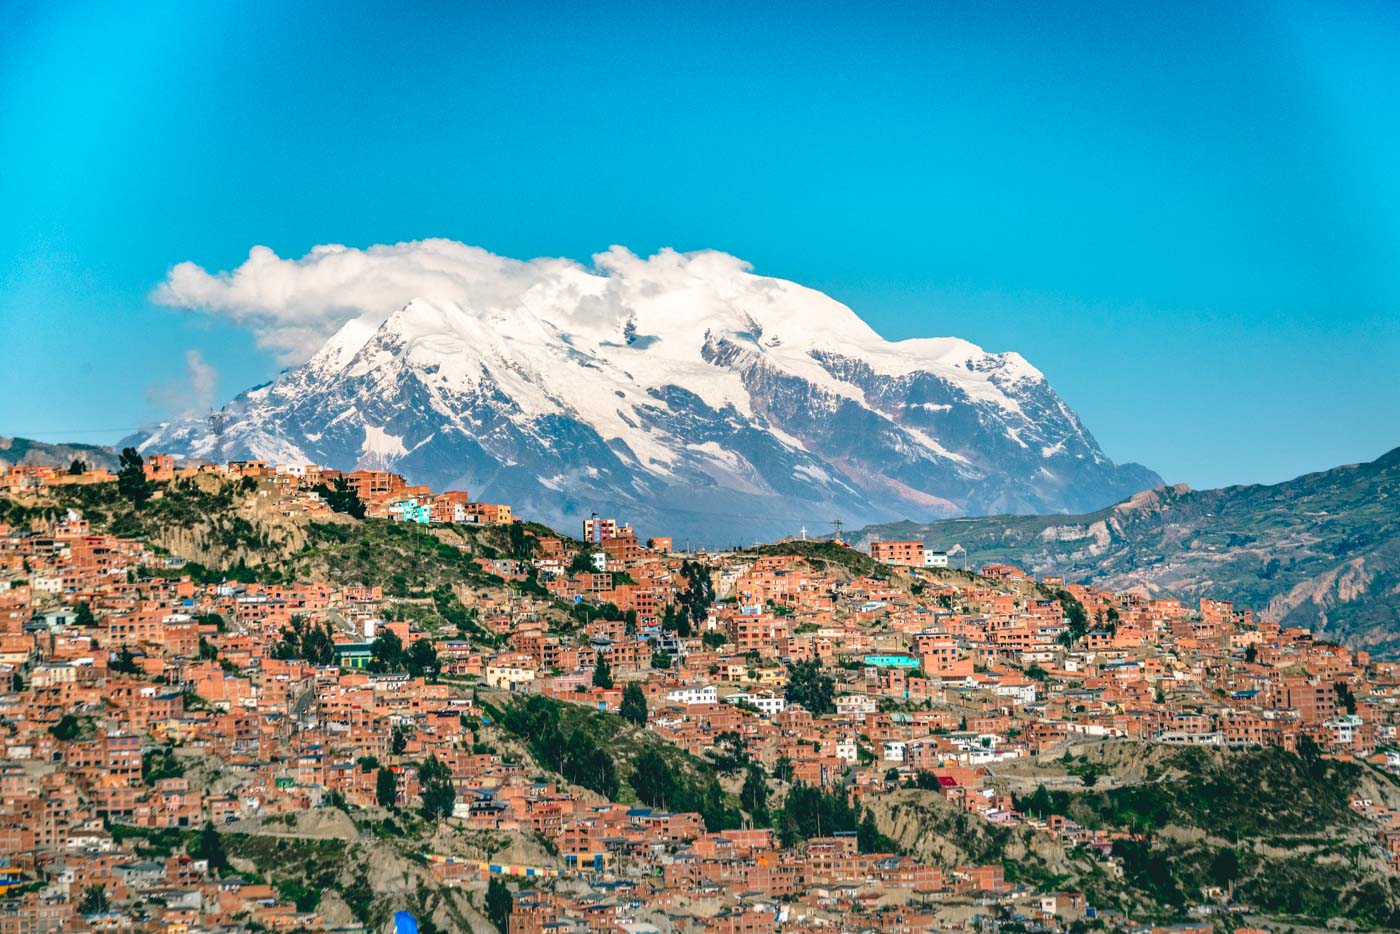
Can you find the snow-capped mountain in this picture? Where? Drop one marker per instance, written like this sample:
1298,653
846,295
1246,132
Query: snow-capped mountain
683,393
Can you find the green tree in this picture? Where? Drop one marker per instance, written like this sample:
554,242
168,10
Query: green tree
522,545
713,639
1149,873
816,813
1038,803
1225,867
583,562
634,704
212,619
1076,617
131,477
160,763
652,779
94,901
499,904
1345,697
811,687
731,751
422,659
602,673
67,729
586,763
124,663
716,816
398,740
753,796
1111,618
386,788
571,751
783,769
306,641
1310,753
699,593
661,661
77,468
789,833
869,838
340,498
82,616
209,846
388,652
436,789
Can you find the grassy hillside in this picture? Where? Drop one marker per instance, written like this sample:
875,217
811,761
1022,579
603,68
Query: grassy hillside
235,529
602,752
1270,827
225,521
1274,826
823,554
1322,550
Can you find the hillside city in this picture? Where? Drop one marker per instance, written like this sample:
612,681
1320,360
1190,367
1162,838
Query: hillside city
497,724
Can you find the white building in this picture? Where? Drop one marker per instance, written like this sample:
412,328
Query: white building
509,674
856,706
693,695
765,702
1344,728
46,584
1023,692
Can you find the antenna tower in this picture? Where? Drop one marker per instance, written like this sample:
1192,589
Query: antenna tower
217,421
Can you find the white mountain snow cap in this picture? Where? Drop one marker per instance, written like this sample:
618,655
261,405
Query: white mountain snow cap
335,298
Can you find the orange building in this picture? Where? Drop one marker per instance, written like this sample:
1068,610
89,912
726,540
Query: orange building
902,554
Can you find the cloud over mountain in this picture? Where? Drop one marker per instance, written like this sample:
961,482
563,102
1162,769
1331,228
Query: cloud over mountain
192,395
680,390
294,305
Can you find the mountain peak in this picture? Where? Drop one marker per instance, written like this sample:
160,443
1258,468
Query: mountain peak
683,391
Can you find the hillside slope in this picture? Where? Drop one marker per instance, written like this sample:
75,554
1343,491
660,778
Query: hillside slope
1322,550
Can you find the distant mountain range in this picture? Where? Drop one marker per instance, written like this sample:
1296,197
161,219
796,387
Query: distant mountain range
684,394
15,451
1321,551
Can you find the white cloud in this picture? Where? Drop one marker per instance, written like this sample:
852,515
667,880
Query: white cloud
294,305
192,395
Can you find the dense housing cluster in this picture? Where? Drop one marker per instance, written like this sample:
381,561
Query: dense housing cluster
712,739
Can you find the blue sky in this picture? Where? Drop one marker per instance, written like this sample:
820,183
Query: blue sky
1187,217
